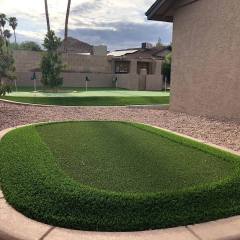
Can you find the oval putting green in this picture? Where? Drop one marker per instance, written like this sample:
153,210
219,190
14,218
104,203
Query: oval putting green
116,176
94,97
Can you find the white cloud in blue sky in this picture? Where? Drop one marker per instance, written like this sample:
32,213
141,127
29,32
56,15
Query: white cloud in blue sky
116,23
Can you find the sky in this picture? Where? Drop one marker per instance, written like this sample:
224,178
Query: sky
118,24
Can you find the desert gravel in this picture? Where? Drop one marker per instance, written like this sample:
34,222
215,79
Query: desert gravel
221,132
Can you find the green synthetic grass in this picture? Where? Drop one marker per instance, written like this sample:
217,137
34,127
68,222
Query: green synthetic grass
120,157
63,89
91,101
115,176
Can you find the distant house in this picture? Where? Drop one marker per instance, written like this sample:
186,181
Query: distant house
74,45
146,58
141,66
206,59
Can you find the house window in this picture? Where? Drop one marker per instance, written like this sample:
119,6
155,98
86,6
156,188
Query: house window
122,67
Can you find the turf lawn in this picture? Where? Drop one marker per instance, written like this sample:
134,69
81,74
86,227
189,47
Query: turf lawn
116,176
93,97
120,157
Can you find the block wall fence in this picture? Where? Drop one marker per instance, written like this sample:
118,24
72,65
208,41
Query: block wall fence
99,69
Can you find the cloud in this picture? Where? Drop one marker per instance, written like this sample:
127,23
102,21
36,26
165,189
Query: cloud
125,34
119,24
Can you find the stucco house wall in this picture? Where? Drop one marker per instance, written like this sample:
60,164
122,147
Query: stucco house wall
206,59
142,81
205,69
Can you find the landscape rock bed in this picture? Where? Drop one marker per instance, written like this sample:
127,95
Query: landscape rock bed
221,132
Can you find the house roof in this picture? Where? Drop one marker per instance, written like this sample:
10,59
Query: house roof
161,10
119,53
142,53
76,46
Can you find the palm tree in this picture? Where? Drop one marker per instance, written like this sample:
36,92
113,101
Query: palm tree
2,22
13,23
7,34
47,16
66,24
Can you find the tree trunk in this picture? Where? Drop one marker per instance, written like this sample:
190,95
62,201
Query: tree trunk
47,15
15,36
66,24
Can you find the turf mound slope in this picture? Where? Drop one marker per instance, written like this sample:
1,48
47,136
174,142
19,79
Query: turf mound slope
90,101
116,176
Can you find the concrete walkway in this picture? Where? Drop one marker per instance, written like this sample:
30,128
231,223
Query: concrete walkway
15,226
107,93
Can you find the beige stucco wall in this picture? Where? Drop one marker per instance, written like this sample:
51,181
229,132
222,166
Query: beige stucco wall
96,79
128,81
154,82
99,69
26,60
132,81
98,64
70,79
206,59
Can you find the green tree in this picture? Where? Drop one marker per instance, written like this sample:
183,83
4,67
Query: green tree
3,21
30,45
7,68
51,64
13,24
7,72
166,68
27,45
14,46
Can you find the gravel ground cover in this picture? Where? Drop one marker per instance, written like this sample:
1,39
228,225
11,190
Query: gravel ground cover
221,132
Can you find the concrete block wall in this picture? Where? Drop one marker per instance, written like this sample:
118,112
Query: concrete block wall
26,60
80,63
24,79
96,80
73,79
154,83
97,68
128,81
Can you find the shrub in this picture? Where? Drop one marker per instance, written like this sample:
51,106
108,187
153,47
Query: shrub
51,65
7,68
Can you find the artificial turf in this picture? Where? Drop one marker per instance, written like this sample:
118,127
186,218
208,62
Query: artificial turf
115,176
121,157
91,101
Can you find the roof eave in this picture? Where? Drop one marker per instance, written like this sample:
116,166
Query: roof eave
159,11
